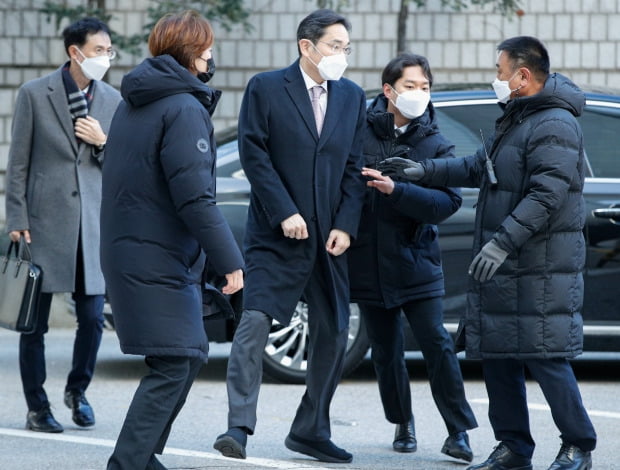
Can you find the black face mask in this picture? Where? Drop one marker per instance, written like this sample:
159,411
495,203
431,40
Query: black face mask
204,77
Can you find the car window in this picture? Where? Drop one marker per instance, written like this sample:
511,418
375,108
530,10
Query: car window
461,124
228,163
600,126
461,121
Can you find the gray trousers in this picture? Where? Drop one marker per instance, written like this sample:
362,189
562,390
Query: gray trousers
325,361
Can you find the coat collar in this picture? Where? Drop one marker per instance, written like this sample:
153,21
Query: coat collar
296,89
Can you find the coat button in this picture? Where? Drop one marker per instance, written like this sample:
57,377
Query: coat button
74,193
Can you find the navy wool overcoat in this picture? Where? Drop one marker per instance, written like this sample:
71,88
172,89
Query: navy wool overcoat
293,170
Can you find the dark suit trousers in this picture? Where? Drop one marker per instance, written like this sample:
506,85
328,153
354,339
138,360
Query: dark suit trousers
89,313
508,413
325,362
385,331
155,405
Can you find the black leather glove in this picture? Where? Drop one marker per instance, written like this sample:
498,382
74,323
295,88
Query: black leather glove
401,168
484,265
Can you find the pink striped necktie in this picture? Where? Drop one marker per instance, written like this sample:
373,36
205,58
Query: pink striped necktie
317,91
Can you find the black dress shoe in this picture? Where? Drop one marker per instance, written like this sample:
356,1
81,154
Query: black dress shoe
404,438
82,412
502,458
457,446
43,421
572,458
231,444
325,451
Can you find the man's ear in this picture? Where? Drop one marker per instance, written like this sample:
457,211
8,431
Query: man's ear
72,51
526,77
387,91
304,46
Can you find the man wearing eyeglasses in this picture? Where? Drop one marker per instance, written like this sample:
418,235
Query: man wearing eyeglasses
300,143
53,198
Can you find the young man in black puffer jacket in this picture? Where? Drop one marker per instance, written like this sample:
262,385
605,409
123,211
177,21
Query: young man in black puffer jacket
395,262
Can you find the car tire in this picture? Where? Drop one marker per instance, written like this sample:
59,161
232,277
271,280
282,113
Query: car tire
285,356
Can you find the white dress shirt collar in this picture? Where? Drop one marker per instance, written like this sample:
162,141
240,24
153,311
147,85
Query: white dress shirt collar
310,82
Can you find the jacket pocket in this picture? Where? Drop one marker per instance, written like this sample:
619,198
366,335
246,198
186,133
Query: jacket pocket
35,194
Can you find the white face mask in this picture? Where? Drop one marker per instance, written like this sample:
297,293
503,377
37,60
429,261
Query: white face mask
502,89
412,103
94,68
331,67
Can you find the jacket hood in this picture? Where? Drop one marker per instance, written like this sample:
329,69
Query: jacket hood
158,77
382,121
558,92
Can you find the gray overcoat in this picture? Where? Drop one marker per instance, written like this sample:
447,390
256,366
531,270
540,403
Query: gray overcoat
53,186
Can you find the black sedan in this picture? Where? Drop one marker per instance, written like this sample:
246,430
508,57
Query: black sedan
462,116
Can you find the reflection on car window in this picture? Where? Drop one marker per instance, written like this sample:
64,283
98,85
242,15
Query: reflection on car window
600,126
461,125
228,163
460,122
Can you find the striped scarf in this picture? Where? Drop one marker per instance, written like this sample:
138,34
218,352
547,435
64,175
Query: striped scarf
79,101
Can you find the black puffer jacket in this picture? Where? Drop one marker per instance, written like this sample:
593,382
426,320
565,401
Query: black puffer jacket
531,308
395,257
158,211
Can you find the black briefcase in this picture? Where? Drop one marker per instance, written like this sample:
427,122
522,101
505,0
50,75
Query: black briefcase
20,286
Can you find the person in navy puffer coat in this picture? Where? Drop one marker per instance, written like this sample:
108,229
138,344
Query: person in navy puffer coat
158,221
395,263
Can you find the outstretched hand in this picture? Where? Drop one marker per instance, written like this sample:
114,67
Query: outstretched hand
397,167
378,181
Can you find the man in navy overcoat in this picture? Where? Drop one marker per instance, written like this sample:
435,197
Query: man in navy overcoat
303,161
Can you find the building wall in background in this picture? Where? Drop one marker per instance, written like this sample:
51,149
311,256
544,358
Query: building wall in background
583,39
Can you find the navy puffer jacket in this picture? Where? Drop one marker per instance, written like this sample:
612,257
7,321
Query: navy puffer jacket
531,308
158,212
395,257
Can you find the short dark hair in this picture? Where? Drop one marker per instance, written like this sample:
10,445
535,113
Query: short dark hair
183,35
527,51
76,34
393,71
313,26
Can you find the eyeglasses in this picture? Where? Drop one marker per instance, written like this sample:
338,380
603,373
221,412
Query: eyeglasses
338,49
111,53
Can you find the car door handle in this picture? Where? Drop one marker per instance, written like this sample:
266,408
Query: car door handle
611,213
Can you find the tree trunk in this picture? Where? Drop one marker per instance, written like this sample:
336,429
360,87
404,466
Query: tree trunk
401,31
100,4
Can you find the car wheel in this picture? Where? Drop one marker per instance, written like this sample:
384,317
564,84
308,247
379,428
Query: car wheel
286,353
